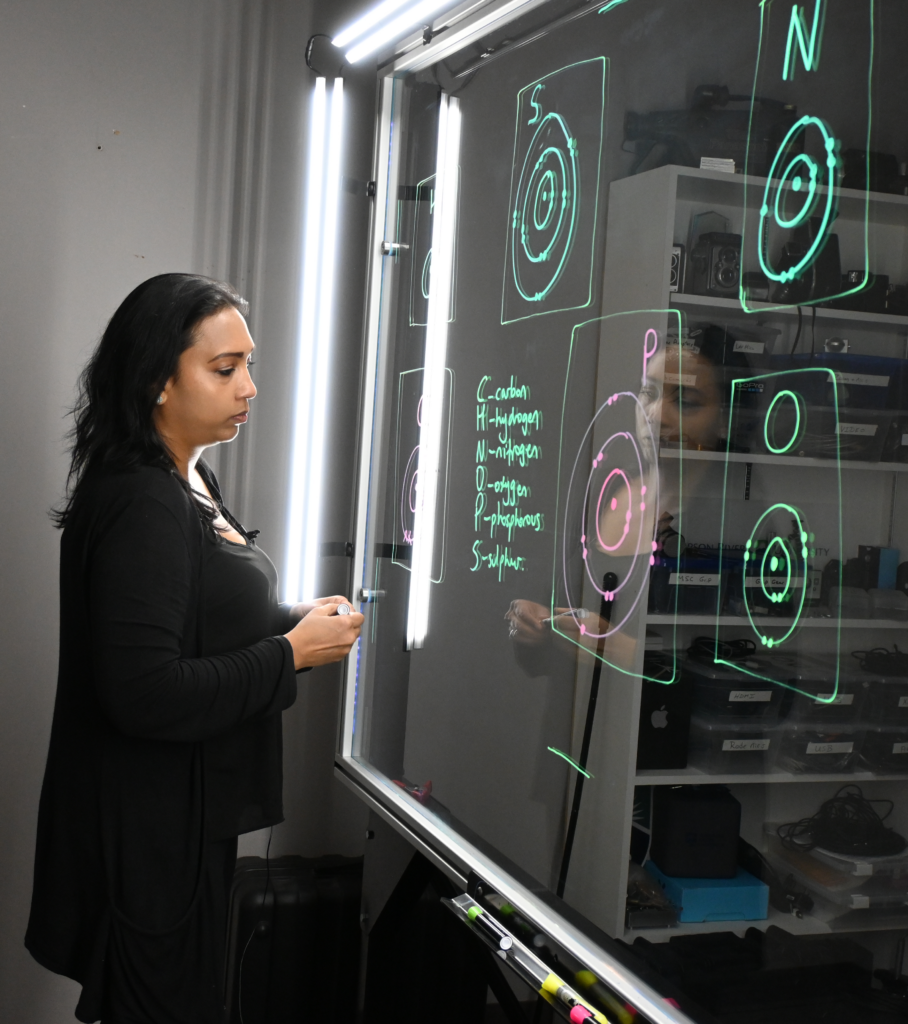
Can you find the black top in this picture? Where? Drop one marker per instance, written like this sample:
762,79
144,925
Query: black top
166,730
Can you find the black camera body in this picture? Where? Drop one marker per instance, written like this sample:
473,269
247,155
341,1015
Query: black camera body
715,265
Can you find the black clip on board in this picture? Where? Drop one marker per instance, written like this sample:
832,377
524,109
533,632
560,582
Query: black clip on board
609,585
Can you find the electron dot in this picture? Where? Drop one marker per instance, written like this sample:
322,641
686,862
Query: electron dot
627,516
655,545
585,552
642,506
652,559
803,552
583,539
614,504
773,563
643,489
582,629
796,183
747,545
803,537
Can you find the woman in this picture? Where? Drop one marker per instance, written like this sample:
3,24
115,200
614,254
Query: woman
175,663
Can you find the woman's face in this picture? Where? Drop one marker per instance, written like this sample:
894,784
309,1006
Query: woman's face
682,397
208,398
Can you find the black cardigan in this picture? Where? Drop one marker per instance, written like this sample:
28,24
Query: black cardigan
121,809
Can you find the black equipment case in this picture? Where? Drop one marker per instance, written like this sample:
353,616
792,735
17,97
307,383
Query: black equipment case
294,940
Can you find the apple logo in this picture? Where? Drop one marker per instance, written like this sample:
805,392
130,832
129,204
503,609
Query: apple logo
659,718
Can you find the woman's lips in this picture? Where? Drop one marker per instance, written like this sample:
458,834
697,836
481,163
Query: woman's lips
240,417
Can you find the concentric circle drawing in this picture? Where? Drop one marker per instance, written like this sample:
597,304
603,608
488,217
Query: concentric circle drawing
796,188
617,486
544,218
779,565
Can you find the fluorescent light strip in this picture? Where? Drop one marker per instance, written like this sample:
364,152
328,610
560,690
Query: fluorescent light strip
314,342
444,227
369,20
395,29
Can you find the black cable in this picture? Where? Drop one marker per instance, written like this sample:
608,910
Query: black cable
708,649
798,334
848,824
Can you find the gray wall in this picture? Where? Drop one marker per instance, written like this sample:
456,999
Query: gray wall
136,139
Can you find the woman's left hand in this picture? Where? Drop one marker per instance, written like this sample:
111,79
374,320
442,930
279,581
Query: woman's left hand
301,610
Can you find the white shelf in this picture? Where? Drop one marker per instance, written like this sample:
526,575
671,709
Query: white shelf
742,620
693,776
732,307
793,925
782,460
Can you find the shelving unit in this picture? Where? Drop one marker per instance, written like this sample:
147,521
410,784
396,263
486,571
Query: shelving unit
637,276
690,776
732,308
708,621
758,459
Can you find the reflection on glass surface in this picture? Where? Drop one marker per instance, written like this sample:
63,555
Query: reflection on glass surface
666,602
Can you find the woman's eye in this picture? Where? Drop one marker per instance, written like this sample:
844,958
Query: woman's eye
226,372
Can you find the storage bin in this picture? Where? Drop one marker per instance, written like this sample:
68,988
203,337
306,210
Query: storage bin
722,691
729,746
816,695
885,750
686,586
818,746
887,700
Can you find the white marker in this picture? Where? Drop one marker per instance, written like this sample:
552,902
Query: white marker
343,609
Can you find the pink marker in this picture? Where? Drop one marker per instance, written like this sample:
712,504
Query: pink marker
580,1013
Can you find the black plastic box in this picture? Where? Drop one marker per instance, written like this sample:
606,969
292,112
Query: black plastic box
695,831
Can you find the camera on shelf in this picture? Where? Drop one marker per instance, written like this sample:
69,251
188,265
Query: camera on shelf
715,265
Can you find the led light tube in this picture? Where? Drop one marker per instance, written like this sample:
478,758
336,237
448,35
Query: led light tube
315,341
369,20
395,29
444,228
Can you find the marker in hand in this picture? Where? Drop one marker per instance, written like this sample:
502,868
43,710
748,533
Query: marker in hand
343,609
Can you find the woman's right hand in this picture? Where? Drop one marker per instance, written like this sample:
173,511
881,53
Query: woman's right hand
322,636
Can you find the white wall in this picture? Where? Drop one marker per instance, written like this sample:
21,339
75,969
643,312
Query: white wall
137,138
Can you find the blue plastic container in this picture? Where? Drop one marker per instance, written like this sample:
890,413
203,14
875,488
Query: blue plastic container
742,898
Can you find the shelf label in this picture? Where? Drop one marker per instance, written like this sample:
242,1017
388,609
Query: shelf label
868,380
903,702
687,379
774,582
846,699
693,579
741,745
756,347
859,902
750,696
900,748
830,748
861,429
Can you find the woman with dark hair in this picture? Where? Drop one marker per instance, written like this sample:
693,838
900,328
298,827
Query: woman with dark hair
175,663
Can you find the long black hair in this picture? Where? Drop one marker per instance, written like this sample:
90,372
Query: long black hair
138,353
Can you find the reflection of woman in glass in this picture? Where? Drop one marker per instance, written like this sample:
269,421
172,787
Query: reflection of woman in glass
175,664
683,404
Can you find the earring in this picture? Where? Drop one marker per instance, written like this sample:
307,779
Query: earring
160,399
